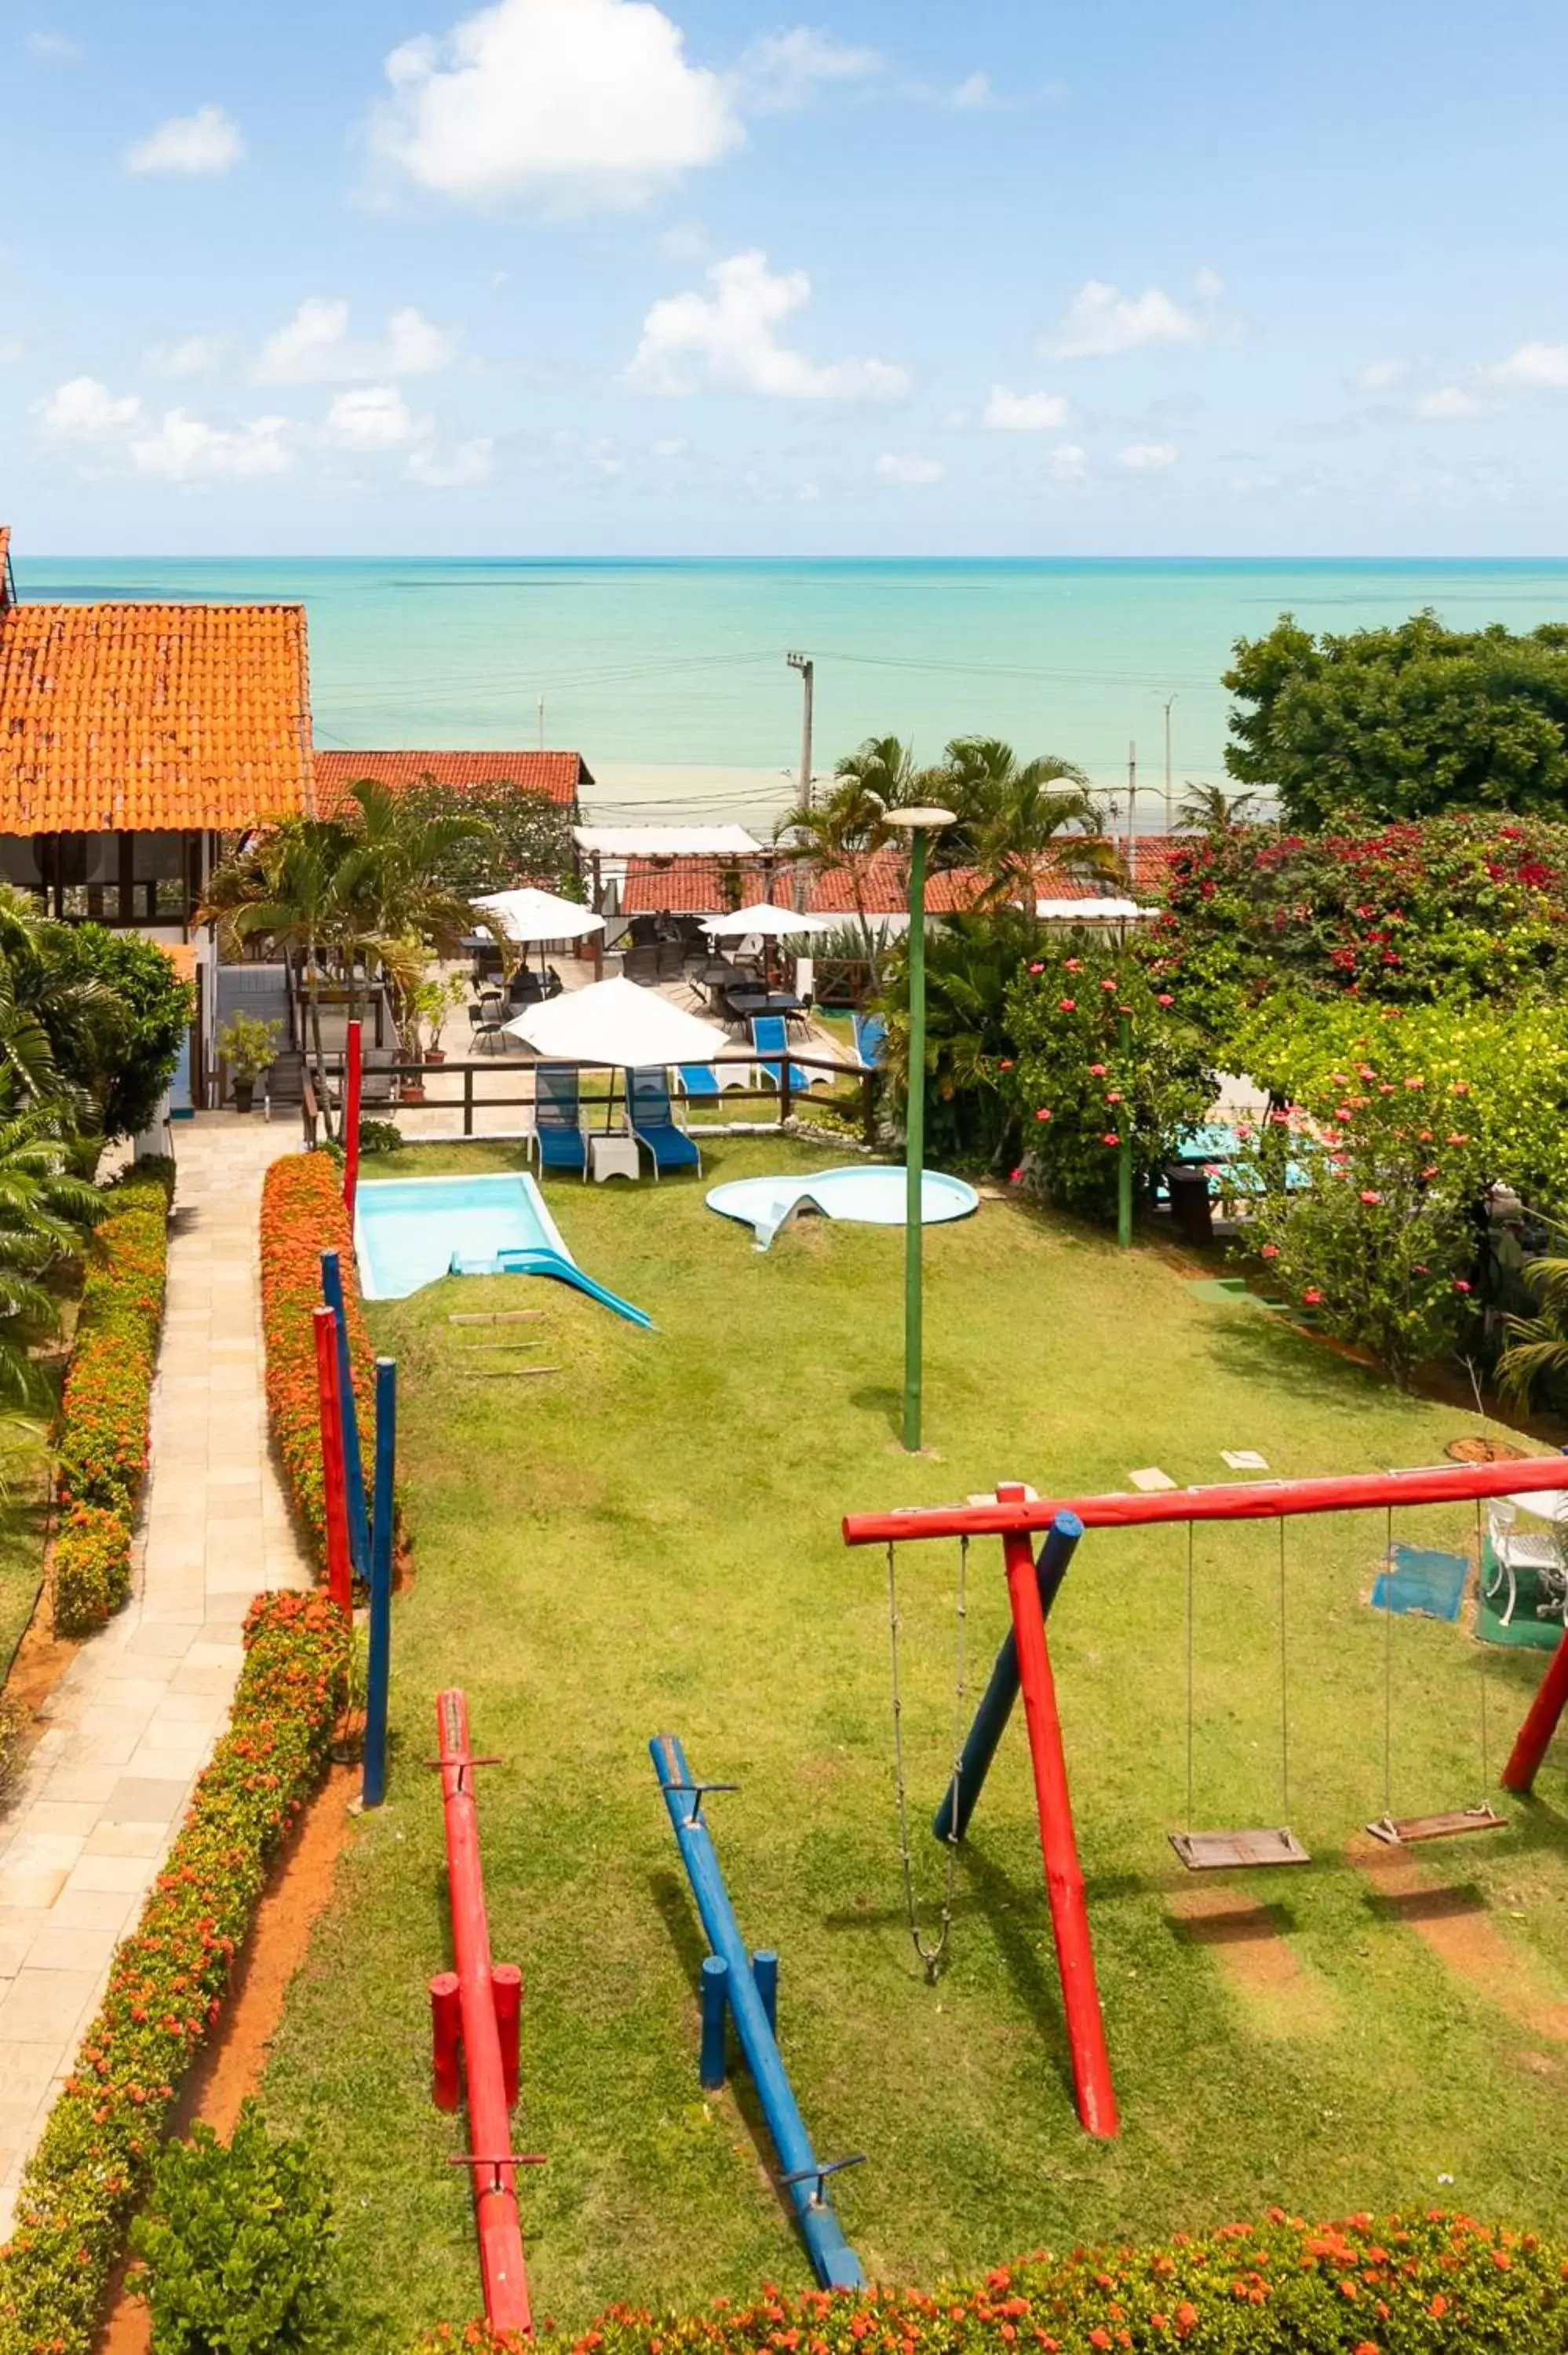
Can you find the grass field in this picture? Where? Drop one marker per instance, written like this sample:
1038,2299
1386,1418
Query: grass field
648,1539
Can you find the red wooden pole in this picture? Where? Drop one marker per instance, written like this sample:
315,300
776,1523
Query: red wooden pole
1232,1501
505,2282
1058,1845
446,2036
1540,1723
352,1085
339,1578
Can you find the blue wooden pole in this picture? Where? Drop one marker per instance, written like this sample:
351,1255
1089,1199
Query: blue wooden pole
765,1971
715,2003
352,1460
951,1820
833,2261
378,1684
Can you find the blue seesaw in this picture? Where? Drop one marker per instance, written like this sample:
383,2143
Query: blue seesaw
746,1987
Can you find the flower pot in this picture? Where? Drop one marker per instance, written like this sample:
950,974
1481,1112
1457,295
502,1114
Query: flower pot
435,1055
348,1737
244,1095
411,1091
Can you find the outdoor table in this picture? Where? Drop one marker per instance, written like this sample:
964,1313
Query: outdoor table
744,1003
612,1152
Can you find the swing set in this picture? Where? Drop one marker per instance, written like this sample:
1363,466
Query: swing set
1023,1665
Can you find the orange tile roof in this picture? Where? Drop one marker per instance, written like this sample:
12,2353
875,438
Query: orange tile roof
557,776
696,886
152,716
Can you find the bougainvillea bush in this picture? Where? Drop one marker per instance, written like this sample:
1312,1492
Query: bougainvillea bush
1101,1052
1419,2284
1463,907
106,1397
168,1980
302,1215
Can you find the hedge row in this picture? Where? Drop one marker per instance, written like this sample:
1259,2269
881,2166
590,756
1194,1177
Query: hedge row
106,1397
1426,2282
168,1980
302,1216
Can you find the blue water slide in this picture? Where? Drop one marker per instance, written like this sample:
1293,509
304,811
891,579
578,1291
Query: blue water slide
542,1261
803,2175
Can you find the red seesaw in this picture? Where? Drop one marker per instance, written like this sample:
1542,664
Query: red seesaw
476,2007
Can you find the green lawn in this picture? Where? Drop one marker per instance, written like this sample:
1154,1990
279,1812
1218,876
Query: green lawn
648,1539
24,1489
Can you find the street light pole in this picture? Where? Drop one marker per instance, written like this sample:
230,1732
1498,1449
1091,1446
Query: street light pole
1168,701
808,670
918,823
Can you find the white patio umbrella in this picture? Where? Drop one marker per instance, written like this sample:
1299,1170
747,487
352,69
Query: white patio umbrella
531,915
763,918
618,1024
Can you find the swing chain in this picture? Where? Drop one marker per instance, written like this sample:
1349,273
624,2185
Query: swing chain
933,1955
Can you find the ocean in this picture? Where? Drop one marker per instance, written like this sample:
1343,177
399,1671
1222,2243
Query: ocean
670,677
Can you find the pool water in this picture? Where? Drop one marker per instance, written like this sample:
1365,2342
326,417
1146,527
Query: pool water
872,1194
408,1231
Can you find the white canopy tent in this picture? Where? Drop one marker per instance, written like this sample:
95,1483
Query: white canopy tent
619,1025
1092,911
762,917
531,915
616,842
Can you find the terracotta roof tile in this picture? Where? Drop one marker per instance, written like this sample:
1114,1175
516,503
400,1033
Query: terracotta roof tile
557,775
696,886
150,715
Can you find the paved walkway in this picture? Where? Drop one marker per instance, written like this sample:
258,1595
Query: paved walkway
131,1724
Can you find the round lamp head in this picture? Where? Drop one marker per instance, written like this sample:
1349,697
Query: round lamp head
920,820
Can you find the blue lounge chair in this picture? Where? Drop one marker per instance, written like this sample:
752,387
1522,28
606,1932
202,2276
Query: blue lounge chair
871,1038
699,1083
557,1118
769,1037
653,1121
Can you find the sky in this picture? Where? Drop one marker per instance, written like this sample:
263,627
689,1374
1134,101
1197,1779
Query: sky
607,277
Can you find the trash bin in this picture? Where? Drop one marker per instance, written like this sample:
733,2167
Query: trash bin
1189,1204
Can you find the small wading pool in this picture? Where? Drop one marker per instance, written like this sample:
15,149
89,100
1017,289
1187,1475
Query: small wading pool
408,1231
873,1197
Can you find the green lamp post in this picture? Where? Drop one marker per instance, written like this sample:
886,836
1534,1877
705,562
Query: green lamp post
919,824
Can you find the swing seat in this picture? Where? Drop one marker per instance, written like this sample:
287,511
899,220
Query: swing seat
1404,1831
1223,1851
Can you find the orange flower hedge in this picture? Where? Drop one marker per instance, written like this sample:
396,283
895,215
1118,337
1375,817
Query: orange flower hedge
169,1978
106,1397
1424,2282
302,1216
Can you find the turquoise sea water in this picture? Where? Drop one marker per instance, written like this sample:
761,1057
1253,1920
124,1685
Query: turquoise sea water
670,677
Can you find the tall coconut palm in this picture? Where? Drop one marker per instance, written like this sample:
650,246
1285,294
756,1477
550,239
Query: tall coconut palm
1209,809
845,832
1022,824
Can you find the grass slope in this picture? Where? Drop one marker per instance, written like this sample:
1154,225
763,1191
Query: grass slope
651,1539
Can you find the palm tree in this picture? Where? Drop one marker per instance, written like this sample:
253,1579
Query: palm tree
1021,822
45,1213
1537,1350
1209,809
846,831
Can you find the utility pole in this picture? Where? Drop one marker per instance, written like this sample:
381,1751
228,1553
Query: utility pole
806,668
541,723
1131,805
1168,812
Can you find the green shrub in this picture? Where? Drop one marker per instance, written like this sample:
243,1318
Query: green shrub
1080,1091
90,1568
237,2246
168,1979
302,1216
15,1721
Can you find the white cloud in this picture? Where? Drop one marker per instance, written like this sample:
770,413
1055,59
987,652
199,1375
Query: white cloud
1024,412
1378,375
673,446
893,466
782,71
316,347
730,340
1100,320
206,141
191,355
12,349
1147,457
187,449
468,461
1450,401
577,103
55,50
974,90
1068,463
1533,368
373,417
83,410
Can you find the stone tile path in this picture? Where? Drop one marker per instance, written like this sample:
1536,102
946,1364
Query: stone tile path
132,1721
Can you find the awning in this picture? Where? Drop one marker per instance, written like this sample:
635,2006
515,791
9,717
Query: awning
619,1025
666,841
531,915
1091,912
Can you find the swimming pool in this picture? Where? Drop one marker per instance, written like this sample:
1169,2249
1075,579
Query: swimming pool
872,1194
410,1232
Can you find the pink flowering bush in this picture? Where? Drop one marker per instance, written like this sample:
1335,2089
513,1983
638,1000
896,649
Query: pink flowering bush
1080,1086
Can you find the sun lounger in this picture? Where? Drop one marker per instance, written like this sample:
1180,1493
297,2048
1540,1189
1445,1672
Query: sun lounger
653,1121
769,1037
871,1038
558,1119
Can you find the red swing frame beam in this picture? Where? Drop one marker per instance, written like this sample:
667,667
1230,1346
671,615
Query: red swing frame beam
1016,1517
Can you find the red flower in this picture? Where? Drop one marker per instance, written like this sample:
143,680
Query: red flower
1042,1113
1096,1070
1312,1298
1111,1137
1164,998
1005,1064
1269,1251
1370,1195
1113,1095
1067,1005
1460,1284
1109,986
1036,968
1073,964
1015,1177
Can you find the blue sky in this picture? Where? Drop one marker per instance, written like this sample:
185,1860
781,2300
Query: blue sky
598,276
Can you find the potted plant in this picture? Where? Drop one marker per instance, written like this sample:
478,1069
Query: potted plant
433,1000
248,1048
